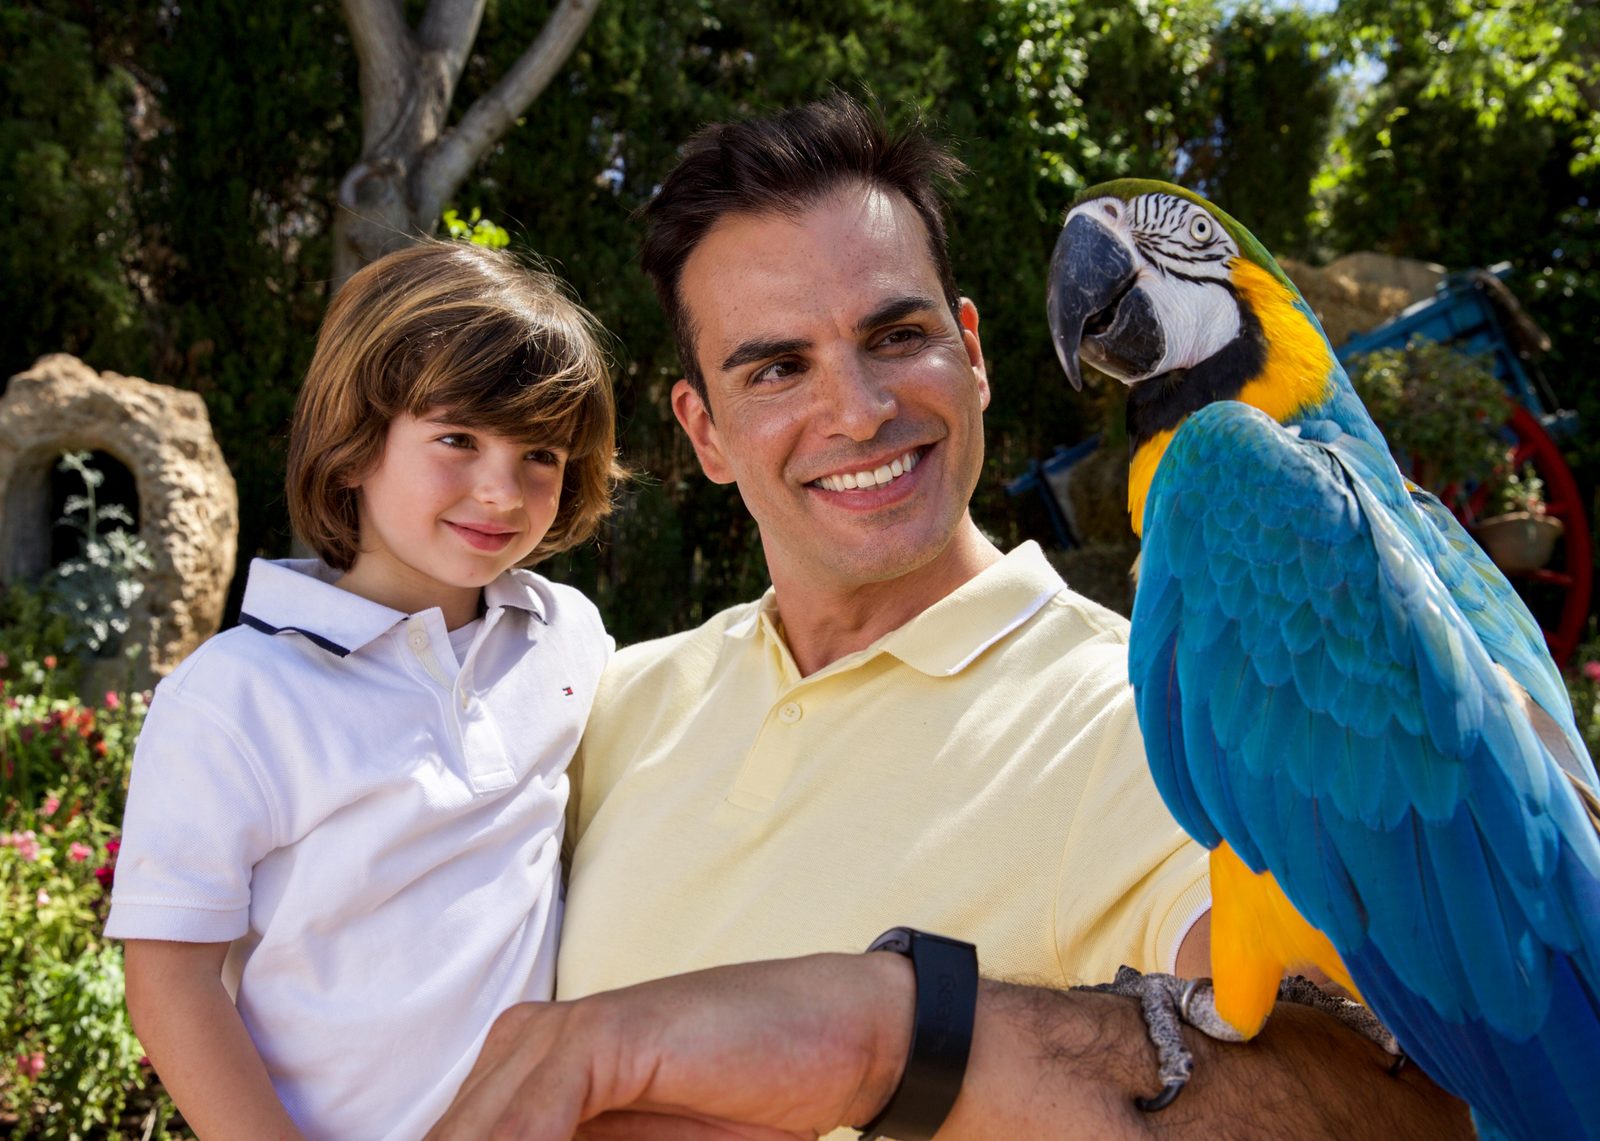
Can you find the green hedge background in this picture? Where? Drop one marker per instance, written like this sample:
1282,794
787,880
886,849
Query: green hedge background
167,176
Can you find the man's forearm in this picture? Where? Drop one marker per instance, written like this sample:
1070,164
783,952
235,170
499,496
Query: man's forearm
1057,1064
796,1047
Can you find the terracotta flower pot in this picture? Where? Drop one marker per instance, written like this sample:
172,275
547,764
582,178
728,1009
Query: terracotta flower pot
1520,541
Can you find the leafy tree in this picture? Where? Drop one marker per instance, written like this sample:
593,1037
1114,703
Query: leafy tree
1477,144
64,131
1274,97
412,158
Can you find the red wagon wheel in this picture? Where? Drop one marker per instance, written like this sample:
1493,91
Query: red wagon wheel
1557,593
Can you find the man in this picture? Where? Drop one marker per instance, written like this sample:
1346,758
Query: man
909,728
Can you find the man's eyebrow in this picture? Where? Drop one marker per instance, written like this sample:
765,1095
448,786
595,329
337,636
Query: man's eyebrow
759,350
894,310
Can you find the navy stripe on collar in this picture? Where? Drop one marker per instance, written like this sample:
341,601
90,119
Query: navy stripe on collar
332,647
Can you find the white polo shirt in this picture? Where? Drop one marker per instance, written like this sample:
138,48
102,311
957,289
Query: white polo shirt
374,824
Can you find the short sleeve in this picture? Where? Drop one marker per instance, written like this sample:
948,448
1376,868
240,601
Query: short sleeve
1132,881
198,819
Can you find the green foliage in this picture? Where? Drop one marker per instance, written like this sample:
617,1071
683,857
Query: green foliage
1519,489
1495,58
95,590
1274,96
63,191
70,1065
33,637
259,123
1439,409
206,142
475,229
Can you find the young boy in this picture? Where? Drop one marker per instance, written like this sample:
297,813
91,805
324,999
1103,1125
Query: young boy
340,854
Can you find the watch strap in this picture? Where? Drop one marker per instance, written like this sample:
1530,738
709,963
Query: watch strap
946,972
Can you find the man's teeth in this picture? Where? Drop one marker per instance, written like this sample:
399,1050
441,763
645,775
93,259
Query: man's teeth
861,479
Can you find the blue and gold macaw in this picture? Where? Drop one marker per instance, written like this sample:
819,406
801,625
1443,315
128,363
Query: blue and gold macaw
1324,664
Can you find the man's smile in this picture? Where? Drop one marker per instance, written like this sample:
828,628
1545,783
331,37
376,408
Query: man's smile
872,477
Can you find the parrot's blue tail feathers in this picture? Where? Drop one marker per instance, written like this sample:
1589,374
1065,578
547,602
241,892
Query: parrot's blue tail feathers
1547,1086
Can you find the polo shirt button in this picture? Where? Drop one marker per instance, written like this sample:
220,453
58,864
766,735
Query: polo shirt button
466,702
789,713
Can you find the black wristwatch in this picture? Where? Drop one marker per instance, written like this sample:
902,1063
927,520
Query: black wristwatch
946,971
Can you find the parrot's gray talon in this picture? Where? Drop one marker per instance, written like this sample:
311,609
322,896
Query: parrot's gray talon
1167,1002
1304,992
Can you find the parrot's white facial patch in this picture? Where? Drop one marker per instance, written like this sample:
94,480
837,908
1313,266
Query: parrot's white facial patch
1183,256
1184,264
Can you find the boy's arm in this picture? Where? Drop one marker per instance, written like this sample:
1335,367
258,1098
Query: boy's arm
194,1036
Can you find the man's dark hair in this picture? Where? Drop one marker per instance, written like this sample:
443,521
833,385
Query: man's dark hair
785,164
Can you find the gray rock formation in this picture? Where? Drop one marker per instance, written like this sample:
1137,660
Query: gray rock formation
188,504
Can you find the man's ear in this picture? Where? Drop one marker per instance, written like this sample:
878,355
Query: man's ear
691,410
968,315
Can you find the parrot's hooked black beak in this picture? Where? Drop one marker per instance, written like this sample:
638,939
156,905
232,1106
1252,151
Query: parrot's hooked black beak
1097,311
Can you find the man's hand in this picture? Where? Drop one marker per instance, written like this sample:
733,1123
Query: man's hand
786,1049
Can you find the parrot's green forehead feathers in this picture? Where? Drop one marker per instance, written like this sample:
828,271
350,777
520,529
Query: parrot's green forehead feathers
1127,189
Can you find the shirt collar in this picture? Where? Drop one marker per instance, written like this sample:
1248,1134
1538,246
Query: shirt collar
299,596
518,589
945,638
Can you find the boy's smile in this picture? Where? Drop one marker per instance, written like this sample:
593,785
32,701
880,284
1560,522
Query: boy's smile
447,509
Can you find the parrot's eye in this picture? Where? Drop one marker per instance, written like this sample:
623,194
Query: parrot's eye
1200,228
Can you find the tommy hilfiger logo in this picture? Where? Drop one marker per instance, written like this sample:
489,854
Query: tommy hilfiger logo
567,689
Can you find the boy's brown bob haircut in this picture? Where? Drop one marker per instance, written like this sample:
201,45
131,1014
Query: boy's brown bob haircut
471,330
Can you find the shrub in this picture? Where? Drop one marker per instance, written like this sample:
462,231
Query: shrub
70,1066
1440,410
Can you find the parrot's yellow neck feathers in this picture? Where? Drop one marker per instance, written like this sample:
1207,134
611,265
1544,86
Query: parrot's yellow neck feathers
1141,471
1298,372
1296,375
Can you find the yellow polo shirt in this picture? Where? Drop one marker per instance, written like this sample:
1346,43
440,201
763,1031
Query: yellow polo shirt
977,772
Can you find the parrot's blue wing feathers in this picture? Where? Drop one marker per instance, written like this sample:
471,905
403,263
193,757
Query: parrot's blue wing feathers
1501,619
1314,691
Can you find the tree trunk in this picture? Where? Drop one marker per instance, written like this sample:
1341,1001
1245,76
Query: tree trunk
411,164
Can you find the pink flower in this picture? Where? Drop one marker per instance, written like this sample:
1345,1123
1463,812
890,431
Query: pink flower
26,844
42,898
78,853
112,700
1591,670
49,661
112,847
30,1066
52,805
105,873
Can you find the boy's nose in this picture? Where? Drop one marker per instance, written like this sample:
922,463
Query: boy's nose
499,484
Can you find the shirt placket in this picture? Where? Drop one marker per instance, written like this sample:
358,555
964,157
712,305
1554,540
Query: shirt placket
482,755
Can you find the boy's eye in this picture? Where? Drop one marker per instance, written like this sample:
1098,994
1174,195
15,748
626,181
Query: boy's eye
456,440
545,456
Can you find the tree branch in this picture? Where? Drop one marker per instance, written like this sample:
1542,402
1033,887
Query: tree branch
447,163
447,31
384,55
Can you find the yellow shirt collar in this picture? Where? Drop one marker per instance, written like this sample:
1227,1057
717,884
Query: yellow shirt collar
948,636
